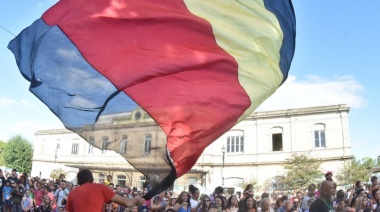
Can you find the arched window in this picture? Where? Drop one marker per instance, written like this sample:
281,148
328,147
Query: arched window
277,144
104,144
319,136
235,141
91,142
123,144
147,143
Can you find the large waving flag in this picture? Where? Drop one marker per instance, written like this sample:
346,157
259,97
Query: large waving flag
156,81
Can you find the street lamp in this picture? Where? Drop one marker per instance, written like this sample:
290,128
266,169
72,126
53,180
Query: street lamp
223,151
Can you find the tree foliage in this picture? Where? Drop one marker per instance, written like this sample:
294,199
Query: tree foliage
55,173
18,154
356,170
2,146
301,170
249,181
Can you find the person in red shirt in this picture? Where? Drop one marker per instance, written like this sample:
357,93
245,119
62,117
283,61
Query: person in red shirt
91,196
38,194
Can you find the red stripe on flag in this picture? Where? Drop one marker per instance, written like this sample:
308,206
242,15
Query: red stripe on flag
166,59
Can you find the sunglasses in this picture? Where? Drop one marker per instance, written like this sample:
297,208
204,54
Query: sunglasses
135,194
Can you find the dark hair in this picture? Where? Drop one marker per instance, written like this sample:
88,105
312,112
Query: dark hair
374,194
14,170
373,178
85,176
245,203
170,210
193,189
219,190
266,195
179,198
203,208
229,201
222,199
340,194
357,183
284,198
55,187
312,187
359,191
353,201
249,186
47,187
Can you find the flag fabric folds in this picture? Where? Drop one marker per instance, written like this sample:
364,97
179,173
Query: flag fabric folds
156,82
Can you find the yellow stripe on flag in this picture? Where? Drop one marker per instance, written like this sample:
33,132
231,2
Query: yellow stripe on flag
253,36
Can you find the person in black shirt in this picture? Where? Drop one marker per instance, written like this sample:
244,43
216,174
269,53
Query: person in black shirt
17,194
324,202
13,177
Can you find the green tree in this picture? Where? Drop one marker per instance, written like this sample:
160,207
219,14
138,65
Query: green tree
249,181
55,173
18,154
2,146
301,170
354,170
368,163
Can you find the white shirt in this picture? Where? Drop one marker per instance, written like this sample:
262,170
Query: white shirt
60,194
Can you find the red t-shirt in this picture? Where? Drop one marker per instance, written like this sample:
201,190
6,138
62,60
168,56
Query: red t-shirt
38,195
88,197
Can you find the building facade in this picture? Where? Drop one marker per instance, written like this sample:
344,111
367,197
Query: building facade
254,149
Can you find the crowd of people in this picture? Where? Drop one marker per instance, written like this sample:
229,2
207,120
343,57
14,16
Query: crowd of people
20,194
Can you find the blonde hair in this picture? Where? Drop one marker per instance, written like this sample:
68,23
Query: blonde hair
359,202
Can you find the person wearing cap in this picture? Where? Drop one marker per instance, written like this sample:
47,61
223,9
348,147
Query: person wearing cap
328,176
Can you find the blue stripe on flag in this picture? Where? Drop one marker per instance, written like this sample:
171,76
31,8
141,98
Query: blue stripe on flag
283,10
73,89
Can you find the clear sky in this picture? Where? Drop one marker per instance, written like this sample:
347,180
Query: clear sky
336,62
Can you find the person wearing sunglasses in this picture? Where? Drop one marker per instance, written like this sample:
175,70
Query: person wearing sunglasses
206,204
